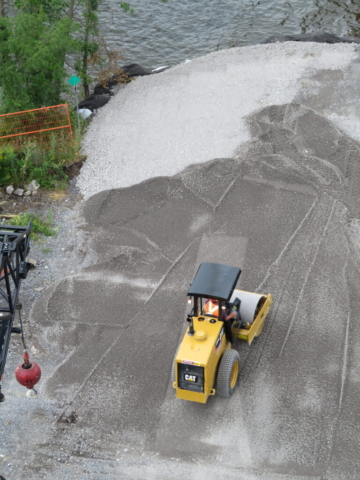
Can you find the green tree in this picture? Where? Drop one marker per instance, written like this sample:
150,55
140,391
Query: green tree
53,9
35,44
88,40
92,47
32,49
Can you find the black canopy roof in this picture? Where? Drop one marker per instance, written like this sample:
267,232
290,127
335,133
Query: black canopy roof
214,280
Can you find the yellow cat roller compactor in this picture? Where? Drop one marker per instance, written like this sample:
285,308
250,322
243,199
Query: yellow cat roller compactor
205,362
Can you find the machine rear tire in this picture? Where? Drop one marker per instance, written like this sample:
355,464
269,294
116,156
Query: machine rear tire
228,373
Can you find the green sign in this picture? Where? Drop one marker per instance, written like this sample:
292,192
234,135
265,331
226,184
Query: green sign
74,80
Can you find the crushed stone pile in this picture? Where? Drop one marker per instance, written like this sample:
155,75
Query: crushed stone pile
195,112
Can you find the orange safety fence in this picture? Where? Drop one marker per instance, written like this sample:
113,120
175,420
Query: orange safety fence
40,124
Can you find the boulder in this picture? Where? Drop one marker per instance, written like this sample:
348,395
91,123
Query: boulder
33,186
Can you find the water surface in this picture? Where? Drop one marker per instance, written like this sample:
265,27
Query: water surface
160,33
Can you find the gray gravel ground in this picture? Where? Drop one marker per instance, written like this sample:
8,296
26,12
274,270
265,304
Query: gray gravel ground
279,196
196,111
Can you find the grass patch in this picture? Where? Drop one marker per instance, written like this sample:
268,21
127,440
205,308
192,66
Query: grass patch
45,164
40,226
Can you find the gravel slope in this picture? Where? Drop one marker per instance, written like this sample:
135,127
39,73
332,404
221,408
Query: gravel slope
195,112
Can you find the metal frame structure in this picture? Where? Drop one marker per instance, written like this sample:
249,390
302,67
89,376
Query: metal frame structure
14,248
37,124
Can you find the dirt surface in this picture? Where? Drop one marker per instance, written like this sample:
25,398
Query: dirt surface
38,203
49,252
285,208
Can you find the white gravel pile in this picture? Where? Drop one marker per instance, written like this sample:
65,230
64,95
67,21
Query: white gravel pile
195,112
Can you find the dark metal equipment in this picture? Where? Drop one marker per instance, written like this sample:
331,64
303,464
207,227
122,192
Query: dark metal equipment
14,248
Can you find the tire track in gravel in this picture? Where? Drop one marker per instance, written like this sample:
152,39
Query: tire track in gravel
352,197
307,275
303,246
292,273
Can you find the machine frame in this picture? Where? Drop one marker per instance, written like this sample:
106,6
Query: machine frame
205,357
14,248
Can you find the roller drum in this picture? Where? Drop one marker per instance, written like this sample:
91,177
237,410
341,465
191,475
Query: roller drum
249,305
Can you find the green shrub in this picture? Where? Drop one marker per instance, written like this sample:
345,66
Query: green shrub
39,225
45,164
8,160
